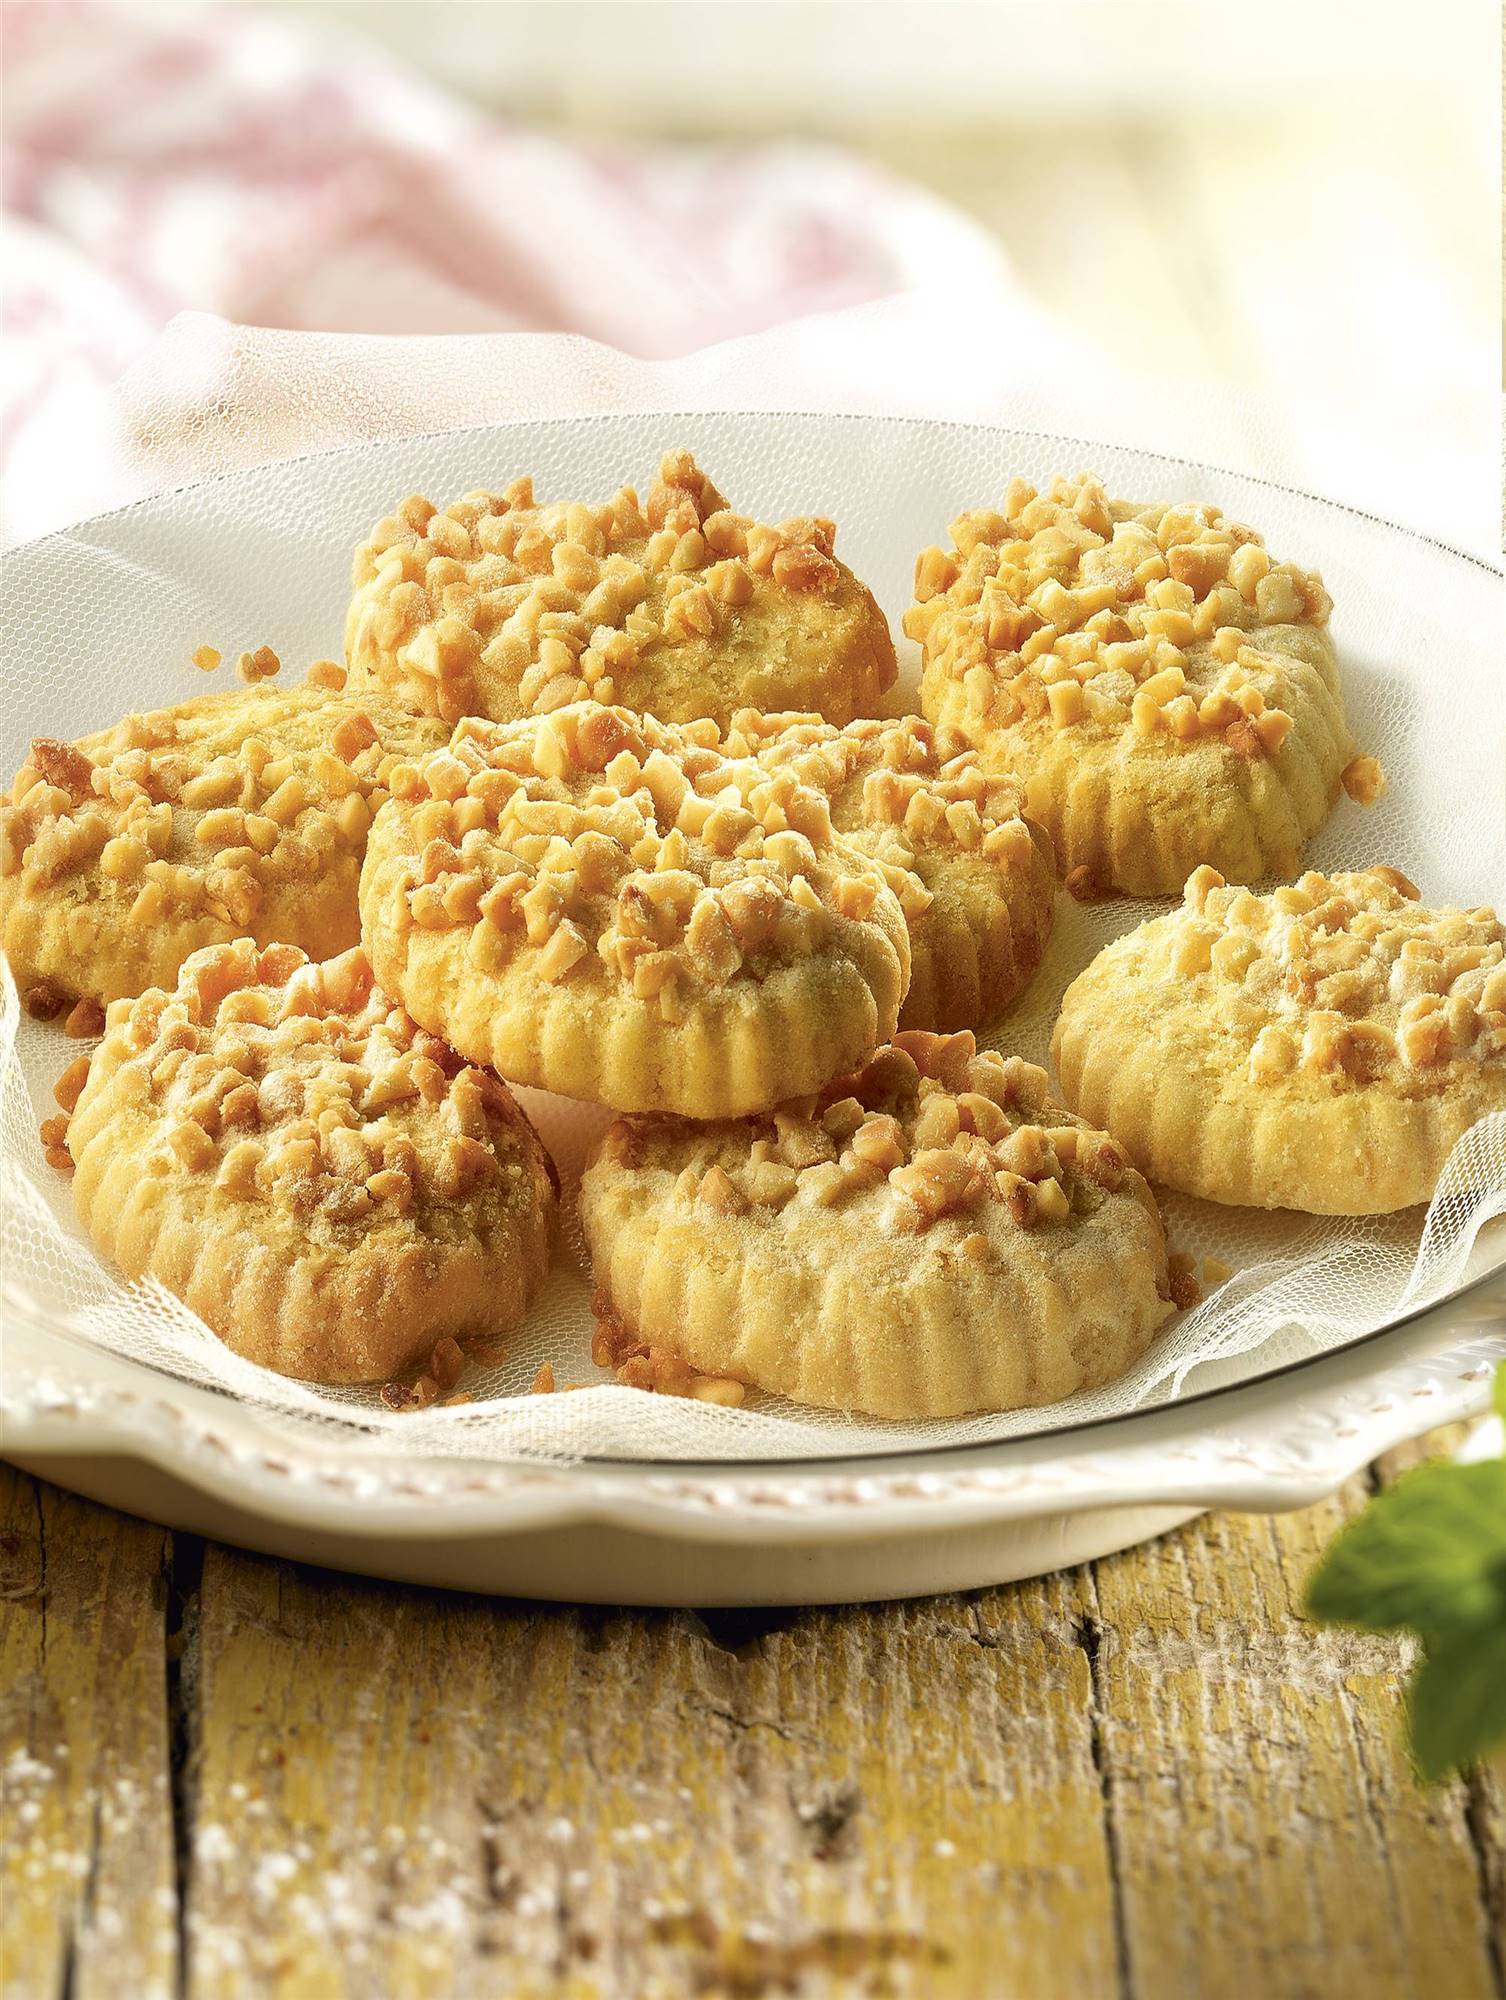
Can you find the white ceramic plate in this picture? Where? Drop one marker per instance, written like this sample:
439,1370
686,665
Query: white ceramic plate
803,1528
842,1530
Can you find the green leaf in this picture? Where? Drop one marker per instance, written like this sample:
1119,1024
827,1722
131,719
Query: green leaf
1429,1553
1458,1699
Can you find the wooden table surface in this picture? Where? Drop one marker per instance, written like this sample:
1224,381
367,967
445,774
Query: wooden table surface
226,1775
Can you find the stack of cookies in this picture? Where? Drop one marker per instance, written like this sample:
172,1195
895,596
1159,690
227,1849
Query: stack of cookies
599,802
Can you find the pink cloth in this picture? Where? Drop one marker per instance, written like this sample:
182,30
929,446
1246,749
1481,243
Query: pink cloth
288,176
213,217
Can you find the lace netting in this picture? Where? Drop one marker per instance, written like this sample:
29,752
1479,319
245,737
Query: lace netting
105,618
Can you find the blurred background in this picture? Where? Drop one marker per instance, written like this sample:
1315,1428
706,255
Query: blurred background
1125,206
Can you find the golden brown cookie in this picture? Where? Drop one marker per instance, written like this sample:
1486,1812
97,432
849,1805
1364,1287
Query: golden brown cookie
982,882
321,1181
608,906
678,608
929,1236
1318,1048
1167,693
243,813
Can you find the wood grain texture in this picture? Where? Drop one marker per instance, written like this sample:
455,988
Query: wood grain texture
86,1859
536,1800
1267,1828
1147,1778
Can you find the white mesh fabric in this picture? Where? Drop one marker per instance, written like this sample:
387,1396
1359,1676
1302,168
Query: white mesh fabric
103,619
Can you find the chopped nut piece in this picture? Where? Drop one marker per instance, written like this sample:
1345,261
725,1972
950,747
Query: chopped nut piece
446,1364
68,1086
1051,1200
801,1143
86,1020
403,1397
1084,886
938,1182
1194,951
717,1389
880,1142
63,765
238,1169
1364,780
1182,1281
1020,1200
1394,879
258,666
44,1001
1103,1163
1423,1037
720,1192
804,568
351,736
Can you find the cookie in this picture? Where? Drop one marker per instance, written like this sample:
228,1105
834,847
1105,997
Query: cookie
677,608
978,881
1167,693
928,1236
1321,1047
243,813
321,1181
611,907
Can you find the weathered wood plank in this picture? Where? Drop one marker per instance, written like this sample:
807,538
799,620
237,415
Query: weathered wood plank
401,1793
1487,1826
1485,1790
1268,1832
86,1861
396,1793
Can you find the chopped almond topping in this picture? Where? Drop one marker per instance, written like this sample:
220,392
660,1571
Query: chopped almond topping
1352,973
601,838
300,1084
1083,885
567,600
1364,780
44,1001
63,765
261,665
930,1130
1084,612
186,812
1182,1281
